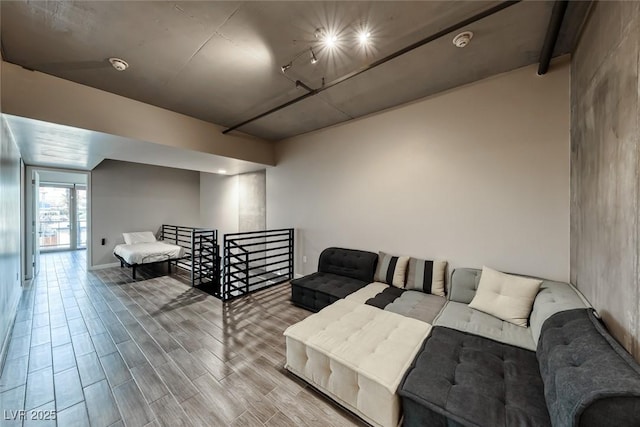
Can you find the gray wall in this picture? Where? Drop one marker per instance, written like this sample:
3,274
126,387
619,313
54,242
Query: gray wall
604,167
219,203
478,175
233,204
10,289
252,201
134,197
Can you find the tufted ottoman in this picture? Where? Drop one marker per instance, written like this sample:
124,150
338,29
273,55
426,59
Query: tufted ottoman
357,355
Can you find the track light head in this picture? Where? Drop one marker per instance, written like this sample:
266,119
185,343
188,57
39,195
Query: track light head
314,59
285,67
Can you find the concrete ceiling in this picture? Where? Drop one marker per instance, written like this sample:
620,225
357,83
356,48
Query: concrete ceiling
52,145
220,61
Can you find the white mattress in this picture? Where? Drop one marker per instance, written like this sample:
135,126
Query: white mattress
144,253
356,354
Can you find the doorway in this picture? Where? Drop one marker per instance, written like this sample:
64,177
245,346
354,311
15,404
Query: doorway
62,216
58,216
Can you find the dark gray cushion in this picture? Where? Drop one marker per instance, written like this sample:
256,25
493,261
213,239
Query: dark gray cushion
589,379
463,379
316,291
386,297
359,265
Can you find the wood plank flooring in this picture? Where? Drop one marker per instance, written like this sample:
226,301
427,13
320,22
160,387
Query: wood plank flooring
104,350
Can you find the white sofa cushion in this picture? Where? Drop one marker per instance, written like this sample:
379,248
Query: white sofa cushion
362,295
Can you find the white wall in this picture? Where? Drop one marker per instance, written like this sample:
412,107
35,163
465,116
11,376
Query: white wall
10,240
134,197
477,176
219,202
51,99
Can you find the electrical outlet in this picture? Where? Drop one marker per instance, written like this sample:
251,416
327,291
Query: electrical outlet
304,259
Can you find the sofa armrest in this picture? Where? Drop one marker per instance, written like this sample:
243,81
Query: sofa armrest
589,379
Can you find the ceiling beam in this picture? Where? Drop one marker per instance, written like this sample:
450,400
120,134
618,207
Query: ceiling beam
422,42
553,30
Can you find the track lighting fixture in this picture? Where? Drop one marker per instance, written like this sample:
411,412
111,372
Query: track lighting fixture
327,40
313,59
285,67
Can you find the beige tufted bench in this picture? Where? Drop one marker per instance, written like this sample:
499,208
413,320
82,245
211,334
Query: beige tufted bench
357,355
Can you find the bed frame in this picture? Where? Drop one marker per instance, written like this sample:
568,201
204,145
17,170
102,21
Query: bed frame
124,263
201,259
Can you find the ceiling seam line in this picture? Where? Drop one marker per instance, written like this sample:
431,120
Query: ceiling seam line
215,32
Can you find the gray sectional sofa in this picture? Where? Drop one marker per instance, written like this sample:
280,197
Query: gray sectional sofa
563,370
473,369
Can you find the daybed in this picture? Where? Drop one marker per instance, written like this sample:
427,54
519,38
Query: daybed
142,248
560,368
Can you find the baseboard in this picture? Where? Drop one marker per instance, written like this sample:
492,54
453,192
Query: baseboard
103,266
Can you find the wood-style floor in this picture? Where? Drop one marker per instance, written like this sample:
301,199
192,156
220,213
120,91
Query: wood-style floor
101,350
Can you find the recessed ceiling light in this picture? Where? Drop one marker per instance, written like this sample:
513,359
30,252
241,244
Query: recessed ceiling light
364,37
222,171
119,64
463,39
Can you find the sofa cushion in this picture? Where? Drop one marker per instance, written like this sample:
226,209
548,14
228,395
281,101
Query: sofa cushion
391,270
552,298
414,304
505,296
370,291
462,379
417,305
352,263
463,285
386,297
459,316
426,276
589,379
320,289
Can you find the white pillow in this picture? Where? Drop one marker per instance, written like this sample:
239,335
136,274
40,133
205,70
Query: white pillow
505,296
139,237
